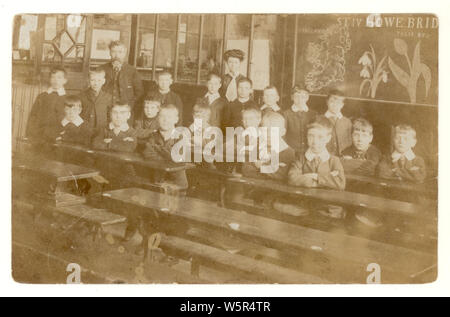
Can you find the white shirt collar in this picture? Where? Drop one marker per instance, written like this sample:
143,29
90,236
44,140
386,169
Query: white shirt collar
329,115
124,127
59,91
296,108
233,77
77,121
212,97
324,155
274,107
409,155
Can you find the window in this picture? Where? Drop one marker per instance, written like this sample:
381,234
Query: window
165,49
24,37
64,38
146,41
188,41
212,45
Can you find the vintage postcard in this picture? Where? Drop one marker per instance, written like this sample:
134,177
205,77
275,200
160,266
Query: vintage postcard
221,148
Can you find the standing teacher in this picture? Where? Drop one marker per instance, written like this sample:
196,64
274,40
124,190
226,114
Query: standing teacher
233,59
122,80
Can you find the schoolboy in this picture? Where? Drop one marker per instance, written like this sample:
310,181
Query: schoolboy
298,117
160,143
165,95
270,99
361,157
403,163
233,111
215,101
341,125
97,103
147,122
317,167
48,108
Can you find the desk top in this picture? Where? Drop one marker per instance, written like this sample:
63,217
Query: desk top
134,158
269,231
341,197
61,172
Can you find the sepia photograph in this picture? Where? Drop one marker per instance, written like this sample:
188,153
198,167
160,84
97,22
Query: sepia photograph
224,148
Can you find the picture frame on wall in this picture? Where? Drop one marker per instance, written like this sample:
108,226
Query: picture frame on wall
100,43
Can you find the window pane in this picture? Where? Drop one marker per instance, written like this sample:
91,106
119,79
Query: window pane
76,26
165,54
264,36
211,53
238,36
188,47
24,36
49,54
146,38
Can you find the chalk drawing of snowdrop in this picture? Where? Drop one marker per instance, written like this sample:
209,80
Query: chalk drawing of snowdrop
372,72
416,68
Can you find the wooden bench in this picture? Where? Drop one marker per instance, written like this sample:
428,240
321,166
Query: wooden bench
260,272
345,252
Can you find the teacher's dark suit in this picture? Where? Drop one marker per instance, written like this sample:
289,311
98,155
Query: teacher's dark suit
126,87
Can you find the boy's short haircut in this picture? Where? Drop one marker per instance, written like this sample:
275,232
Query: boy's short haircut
149,99
272,87
121,105
404,128
336,92
97,71
298,89
234,53
272,116
72,101
321,123
116,43
245,80
169,107
362,124
57,69
164,72
252,109
211,75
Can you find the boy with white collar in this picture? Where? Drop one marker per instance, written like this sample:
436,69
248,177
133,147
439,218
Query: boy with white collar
215,101
341,126
317,168
270,98
72,128
298,116
118,136
403,163
160,143
48,109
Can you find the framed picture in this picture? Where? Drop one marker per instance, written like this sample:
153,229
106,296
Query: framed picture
100,42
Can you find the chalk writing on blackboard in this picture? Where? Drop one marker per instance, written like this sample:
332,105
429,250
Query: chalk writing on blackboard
327,56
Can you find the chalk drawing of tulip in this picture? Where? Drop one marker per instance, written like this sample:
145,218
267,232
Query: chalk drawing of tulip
372,72
416,68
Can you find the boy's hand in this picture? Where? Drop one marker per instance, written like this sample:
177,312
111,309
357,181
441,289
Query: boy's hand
347,157
58,139
107,140
334,173
128,138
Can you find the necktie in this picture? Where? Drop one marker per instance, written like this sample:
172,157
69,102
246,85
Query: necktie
231,93
401,162
316,163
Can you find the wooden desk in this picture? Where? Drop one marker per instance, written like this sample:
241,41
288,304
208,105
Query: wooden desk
356,252
343,198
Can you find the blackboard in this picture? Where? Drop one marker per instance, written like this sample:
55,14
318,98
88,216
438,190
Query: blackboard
380,57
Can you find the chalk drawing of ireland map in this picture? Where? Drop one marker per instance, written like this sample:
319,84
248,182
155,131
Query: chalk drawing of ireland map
327,57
